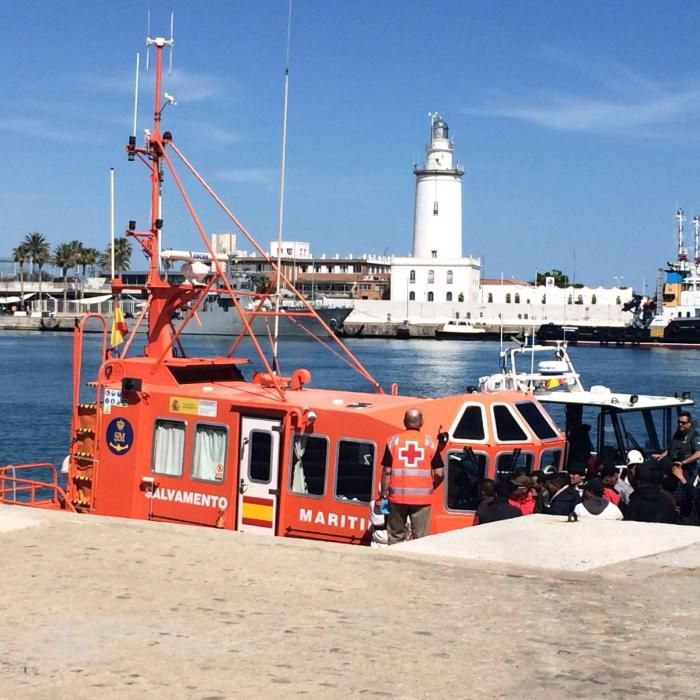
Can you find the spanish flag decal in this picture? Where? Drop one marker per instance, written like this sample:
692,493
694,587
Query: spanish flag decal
257,511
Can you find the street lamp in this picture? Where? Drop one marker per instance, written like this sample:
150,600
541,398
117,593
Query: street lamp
618,279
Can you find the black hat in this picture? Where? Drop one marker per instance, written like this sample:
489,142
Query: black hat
576,468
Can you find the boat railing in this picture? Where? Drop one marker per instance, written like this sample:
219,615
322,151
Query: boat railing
18,486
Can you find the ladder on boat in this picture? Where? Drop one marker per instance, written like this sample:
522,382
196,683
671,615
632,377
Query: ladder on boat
85,424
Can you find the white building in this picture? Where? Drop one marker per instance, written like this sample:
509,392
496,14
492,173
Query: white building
436,271
299,250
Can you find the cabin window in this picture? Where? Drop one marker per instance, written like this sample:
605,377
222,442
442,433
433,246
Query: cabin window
168,447
209,459
471,424
536,420
549,459
507,427
260,460
465,468
309,454
354,471
508,464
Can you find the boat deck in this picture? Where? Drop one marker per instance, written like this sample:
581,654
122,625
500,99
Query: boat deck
112,608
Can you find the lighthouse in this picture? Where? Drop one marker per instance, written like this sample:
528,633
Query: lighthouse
437,222
436,276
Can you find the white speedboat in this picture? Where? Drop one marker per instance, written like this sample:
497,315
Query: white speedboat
459,329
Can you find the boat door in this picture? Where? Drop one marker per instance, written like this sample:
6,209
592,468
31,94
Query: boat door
258,486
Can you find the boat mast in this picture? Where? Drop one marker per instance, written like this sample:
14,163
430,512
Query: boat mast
278,294
682,255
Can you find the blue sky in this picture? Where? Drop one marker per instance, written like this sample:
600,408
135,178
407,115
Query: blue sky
577,123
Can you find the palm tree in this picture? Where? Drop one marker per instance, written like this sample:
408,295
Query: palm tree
66,256
122,256
20,255
38,250
88,256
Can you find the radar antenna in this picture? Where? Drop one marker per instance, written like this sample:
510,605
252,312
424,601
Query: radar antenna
172,43
148,35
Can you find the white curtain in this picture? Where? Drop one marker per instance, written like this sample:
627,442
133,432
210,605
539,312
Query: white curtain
209,452
299,484
169,448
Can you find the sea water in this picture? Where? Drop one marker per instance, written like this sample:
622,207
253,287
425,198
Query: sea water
36,372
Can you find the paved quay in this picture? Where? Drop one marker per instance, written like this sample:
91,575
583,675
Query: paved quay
100,607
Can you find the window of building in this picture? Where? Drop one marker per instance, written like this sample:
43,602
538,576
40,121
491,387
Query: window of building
431,296
431,276
508,464
449,277
517,298
507,426
433,253
465,468
435,208
309,456
489,299
354,471
260,464
507,298
448,296
536,420
209,461
471,424
168,447
412,276
411,296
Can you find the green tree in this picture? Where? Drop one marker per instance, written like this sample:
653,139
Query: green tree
20,255
87,257
66,256
38,249
122,257
560,279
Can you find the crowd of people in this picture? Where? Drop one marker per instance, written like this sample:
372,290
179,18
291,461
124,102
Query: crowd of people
663,488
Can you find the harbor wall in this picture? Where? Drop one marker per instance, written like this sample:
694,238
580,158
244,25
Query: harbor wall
421,319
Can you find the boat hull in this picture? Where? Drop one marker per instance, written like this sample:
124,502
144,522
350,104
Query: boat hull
680,333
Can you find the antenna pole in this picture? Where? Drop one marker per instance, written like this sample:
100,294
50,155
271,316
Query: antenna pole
136,93
281,202
111,218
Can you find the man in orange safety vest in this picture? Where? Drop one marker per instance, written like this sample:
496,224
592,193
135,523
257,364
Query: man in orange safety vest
413,467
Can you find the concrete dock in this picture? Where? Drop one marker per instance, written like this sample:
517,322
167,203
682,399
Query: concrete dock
101,607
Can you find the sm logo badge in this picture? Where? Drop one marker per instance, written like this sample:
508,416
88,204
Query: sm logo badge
120,436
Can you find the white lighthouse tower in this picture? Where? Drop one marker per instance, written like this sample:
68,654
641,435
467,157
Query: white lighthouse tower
437,224
436,277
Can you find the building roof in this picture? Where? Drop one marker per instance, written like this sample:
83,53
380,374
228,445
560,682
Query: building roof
485,281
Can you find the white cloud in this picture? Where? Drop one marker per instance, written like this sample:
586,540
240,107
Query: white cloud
253,176
28,126
628,102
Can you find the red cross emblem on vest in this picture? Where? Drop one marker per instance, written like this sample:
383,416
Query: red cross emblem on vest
411,453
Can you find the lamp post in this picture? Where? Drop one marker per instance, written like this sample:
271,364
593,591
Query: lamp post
618,279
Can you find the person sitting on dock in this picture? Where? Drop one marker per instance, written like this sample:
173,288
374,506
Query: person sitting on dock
412,468
494,504
609,476
521,494
649,503
564,497
595,505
